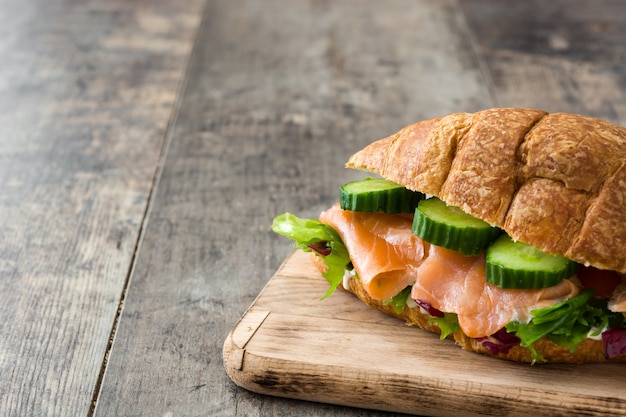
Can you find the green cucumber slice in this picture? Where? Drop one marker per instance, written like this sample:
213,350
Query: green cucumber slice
518,265
378,195
452,228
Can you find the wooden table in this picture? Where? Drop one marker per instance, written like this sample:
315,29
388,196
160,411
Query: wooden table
145,147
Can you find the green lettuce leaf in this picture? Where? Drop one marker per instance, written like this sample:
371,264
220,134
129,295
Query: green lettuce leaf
448,324
398,301
308,233
567,323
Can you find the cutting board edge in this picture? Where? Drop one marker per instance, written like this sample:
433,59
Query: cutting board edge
276,377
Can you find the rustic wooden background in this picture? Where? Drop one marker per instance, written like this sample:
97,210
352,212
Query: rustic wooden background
145,147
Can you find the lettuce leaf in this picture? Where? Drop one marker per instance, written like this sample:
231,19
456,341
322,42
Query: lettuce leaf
313,235
398,301
567,323
448,324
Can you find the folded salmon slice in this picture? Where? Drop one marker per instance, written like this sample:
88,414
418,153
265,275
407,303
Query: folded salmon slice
382,248
387,257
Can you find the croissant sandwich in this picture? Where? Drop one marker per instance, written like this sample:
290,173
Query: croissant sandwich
504,230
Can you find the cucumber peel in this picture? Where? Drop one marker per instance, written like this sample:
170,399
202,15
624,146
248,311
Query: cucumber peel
517,265
378,195
451,228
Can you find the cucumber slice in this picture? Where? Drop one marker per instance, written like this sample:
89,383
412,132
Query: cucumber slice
378,195
518,265
452,228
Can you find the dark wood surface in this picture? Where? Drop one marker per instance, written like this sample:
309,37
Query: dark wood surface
145,147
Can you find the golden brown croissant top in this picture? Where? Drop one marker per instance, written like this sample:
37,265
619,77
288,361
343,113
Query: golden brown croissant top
555,181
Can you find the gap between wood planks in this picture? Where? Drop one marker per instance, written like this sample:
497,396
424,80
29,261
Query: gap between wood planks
146,214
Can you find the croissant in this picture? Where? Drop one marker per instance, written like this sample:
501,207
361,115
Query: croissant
556,181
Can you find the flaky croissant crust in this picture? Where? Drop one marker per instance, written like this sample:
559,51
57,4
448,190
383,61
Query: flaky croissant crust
556,181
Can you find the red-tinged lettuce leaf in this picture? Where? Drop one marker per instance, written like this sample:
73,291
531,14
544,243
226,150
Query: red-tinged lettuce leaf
429,308
614,341
500,342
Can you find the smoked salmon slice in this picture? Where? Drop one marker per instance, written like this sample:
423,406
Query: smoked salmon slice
387,257
382,248
454,283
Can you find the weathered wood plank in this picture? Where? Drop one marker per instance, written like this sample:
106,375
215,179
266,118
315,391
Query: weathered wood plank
558,55
87,90
279,95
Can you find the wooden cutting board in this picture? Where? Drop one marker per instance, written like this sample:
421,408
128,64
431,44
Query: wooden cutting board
291,344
